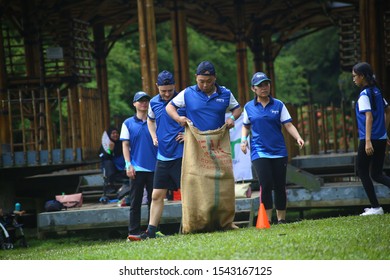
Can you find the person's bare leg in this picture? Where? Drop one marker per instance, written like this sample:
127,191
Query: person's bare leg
281,214
157,206
269,214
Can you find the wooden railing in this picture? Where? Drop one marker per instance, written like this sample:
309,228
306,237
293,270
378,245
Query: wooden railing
42,126
59,120
325,129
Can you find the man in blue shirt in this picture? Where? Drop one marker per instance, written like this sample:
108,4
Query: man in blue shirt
206,102
140,158
168,136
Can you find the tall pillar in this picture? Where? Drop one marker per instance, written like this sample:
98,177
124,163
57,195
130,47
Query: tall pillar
101,72
31,42
148,45
180,45
256,46
241,54
370,33
242,73
269,61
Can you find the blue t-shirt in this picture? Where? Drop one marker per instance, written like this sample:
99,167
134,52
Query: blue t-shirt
167,129
142,151
266,124
363,105
206,112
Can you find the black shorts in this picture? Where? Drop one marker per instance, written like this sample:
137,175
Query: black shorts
167,174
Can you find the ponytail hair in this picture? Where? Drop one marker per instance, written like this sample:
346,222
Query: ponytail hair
364,69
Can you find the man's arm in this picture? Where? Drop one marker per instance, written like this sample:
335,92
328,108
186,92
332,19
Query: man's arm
152,130
172,112
236,113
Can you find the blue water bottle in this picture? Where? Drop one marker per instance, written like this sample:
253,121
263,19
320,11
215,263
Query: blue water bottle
18,207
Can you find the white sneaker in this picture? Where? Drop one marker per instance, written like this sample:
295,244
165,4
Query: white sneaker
372,211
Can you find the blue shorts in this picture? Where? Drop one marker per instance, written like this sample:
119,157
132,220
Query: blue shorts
167,174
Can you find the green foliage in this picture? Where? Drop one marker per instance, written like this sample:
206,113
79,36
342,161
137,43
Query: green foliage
124,69
341,238
124,75
291,84
221,54
318,55
306,68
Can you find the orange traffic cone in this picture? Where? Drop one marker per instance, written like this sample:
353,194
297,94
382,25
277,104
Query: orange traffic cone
262,219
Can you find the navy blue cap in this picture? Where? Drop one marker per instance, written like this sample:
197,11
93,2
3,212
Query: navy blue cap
205,68
258,78
140,95
165,78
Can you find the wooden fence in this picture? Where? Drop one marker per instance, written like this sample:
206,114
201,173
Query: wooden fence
53,121
58,120
325,129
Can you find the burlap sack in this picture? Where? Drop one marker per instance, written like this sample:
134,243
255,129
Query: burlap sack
207,181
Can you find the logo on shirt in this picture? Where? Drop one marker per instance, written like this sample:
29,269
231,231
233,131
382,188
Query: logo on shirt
275,111
220,100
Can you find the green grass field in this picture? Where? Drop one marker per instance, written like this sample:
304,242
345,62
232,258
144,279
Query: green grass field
337,238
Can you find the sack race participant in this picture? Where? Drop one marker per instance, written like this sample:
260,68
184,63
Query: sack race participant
207,181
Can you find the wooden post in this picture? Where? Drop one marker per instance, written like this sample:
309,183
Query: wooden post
180,45
269,62
35,126
23,127
369,33
31,42
101,72
344,128
61,124
241,55
148,45
242,73
4,122
312,130
257,49
303,126
74,120
334,127
324,138
11,138
49,128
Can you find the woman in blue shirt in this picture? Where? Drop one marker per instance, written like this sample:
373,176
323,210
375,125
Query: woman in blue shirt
373,116
264,117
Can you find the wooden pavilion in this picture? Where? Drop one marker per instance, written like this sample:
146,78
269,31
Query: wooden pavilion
50,48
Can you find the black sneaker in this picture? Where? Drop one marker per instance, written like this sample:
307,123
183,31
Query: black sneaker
281,222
